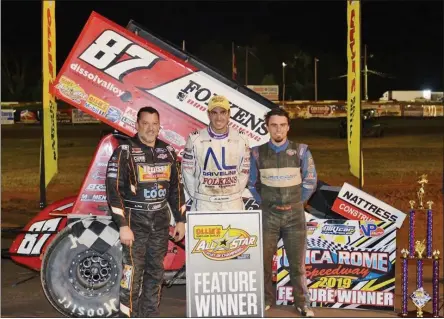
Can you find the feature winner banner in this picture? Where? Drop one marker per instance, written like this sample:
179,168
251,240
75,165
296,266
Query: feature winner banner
111,73
349,264
49,102
354,89
224,271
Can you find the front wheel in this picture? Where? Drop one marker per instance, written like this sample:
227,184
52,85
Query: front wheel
80,282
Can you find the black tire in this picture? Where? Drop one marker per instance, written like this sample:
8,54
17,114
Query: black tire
64,277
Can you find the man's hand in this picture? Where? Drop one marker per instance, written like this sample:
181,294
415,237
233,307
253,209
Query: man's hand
179,231
126,236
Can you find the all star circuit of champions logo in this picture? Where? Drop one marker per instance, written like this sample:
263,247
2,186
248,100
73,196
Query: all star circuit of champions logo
218,243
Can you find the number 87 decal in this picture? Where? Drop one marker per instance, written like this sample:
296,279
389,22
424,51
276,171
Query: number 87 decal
107,50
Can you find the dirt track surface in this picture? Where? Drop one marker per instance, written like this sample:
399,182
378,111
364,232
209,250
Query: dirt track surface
27,300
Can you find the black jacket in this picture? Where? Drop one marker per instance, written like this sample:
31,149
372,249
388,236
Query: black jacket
144,176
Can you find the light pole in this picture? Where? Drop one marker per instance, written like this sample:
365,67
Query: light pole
283,83
316,60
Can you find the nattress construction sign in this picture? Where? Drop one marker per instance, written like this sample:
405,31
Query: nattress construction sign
354,204
111,73
224,264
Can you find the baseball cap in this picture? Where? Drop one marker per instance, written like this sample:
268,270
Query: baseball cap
218,101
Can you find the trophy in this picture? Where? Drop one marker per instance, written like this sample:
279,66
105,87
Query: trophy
421,251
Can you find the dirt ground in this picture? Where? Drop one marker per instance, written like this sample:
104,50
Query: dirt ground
392,165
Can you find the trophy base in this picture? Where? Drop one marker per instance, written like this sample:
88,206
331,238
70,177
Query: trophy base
413,314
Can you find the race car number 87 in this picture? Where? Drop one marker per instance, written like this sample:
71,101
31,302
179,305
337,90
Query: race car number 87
109,47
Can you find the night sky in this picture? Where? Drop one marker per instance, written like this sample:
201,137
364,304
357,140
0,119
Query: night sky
405,37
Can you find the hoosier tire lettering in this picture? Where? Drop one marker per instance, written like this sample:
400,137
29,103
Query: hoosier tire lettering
107,309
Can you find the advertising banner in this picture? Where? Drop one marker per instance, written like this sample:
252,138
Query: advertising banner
7,117
224,271
413,110
354,204
49,102
64,116
349,264
29,117
354,89
270,92
111,73
80,117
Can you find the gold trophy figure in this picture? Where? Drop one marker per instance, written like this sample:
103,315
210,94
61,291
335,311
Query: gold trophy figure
419,248
423,180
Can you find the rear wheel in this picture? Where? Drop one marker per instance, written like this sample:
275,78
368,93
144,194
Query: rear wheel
80,282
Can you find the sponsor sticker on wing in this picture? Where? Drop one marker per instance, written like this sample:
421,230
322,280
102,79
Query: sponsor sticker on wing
97,105
129,119
71,90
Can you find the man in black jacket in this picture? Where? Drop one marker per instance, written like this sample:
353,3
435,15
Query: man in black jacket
142,179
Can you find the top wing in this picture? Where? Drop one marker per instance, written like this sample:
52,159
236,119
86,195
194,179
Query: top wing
111,72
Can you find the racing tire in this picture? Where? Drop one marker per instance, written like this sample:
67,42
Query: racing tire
80,282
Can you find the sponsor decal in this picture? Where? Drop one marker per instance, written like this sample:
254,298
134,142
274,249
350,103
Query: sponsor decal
140,159
187,156
162,156
102,164
338,230
112,169
136,150
112,175
156,206
220,166
173,137
291,152
129,119
311,227
160,150
127,274
219,243
113,114
310,176
151,173
370,230
96,79
97,175
220,181
96,105
96,187
154,193
92,198
71,90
